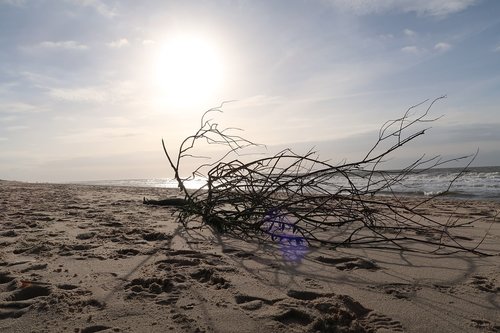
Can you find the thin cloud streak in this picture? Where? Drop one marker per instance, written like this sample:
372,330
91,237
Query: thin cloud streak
17,3
442,47
16,128
92,94
98,5
409,32
411,49
100,134
66,45
439,8
119,43
18,107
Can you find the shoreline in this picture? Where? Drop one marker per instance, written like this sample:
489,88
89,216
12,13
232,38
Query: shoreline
403,195
92,258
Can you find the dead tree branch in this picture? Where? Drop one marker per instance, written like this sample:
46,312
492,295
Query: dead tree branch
300,199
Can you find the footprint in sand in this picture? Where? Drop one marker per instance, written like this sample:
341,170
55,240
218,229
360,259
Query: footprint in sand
122,253
85,235
14,300
485,325
306,295
98,328
294,316
242,299
305,310
151,288
176,273
5,277
348,263
155,236
166,288
178,262
9,233
484,284
444,288
377,322
33,248
34,267
208,275
237,253
398,290
318,312
194,258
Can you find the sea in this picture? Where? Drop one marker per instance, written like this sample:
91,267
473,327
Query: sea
477,183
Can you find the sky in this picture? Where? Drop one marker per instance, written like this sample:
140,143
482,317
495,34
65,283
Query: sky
88,88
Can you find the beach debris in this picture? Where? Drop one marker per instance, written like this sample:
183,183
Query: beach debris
299,200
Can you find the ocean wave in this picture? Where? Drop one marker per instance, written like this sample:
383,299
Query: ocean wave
477,183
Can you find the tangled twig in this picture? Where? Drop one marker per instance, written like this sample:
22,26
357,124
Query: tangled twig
299,198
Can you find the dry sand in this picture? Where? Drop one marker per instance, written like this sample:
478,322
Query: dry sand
95,259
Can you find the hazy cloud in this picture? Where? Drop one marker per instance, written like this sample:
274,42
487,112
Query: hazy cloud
411,49
442,47
18,107
100,134
91,94
16,128
421,7
35,77
109,92
409,32
13,2
386,36
66,45
148,42
16,3
117,121
474,132
497,49
116,44
256,101
8,119
98,5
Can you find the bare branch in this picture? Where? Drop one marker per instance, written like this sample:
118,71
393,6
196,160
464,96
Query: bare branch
302,199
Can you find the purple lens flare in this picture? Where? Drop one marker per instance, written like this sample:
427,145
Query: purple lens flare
279,226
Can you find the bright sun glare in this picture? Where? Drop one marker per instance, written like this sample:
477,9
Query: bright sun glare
188,71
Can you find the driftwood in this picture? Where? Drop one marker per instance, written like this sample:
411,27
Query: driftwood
171,202
299,199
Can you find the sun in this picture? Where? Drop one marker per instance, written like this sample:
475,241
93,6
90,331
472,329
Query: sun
188,71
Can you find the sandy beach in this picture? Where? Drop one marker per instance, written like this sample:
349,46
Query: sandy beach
79,258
